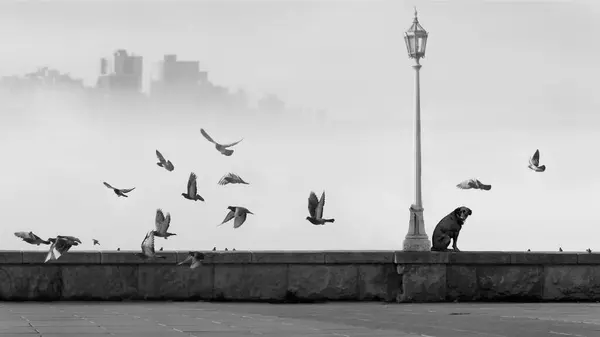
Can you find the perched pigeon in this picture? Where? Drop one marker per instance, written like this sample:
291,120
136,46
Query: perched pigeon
226,249
96,242
118,249
148,252
195,257
221,148
164,163
528,250
60,245
560,249
192,189
315,208
237,212
119,192
588,250
231,178
161,249
534,162
474,183
31,238
214,249
162,224
233,249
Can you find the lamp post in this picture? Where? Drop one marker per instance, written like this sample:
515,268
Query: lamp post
416,239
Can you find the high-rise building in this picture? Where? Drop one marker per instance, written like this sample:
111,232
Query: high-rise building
121,72
173,76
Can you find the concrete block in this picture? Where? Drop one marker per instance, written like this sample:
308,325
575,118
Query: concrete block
571,283
283,257
587,258
11,257
378,282
461,283
543,258
30,282
250,282
401,257
498,283
478,258
229,257
99,282
356,257
331,282
422,283
159,282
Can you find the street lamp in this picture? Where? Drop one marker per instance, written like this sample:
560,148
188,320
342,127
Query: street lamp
416,239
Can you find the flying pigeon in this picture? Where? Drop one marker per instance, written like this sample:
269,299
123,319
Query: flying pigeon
221,148
162,224
474,183
534,162
195,257
231,178
148,252
192,189
119,192
588,250
164,163
96,242
31,238
60,245
237,212
315,208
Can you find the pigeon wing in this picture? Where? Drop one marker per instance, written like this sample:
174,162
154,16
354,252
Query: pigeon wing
463,185
23,235
108,185
240,218
158,220
33,236
186,260
167,222
207,136
148,244
170,166
160,157
228,217
232,144
192,185
224,180
320,205
237,179
535,159
312,204
127,190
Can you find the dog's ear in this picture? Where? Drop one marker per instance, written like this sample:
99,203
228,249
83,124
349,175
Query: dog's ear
470,212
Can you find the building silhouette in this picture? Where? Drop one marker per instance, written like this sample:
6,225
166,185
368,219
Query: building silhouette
175,78
121,72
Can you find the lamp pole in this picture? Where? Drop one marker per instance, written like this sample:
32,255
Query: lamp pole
416,239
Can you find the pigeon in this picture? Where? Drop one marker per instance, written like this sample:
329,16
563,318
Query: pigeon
31,238
528,250
588,250
162,224
195,257
118,249
560,249
119,192
192,189
474,183
226,249
148,252
161,249
214,249
233,249
60,245
164,163
315,208
231,178
534,162
237,212
221,148
96,242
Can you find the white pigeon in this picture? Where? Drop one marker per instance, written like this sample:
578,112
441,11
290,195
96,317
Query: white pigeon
475,184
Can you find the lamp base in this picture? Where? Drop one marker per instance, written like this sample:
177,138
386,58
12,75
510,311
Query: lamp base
416,243
416,240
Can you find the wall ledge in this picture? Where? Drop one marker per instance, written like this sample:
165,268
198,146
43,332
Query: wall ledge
312,257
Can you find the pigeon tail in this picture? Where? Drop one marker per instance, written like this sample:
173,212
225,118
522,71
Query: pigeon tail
159,164
329,220
486,187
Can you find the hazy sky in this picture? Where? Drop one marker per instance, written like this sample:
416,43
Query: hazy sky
500,79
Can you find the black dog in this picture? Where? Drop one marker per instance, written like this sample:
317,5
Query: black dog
448,229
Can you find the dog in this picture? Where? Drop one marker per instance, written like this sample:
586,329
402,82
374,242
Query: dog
448,229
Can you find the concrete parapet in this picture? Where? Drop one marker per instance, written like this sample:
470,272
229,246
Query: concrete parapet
278,276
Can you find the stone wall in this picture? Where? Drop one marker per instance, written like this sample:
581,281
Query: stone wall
303,276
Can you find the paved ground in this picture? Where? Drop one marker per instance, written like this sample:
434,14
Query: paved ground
177,319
